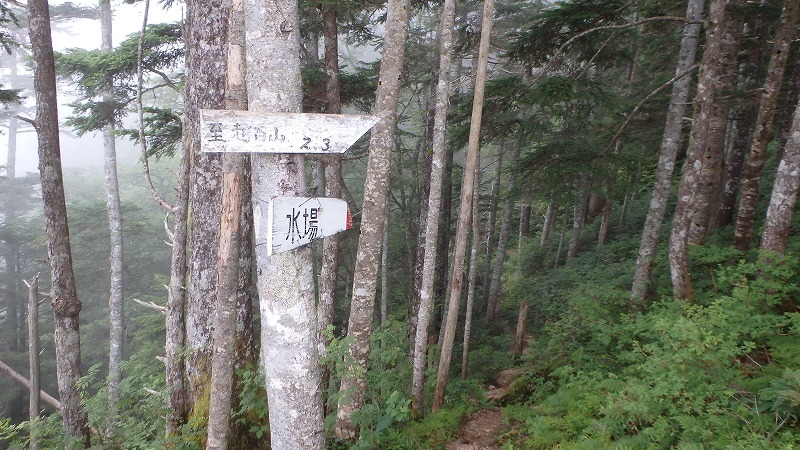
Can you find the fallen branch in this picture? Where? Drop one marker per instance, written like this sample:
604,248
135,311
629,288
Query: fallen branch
49,399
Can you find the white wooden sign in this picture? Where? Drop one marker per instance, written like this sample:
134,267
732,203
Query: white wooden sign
251,132
295,221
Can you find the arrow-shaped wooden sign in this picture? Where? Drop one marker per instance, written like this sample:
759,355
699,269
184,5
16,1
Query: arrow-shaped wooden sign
296,221
251,132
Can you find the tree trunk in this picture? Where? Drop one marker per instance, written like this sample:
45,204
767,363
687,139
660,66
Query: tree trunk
225,334
524,217
376,186
289,352
472,279
433,207
465,213
698,142
519,334
329,268
205,88
604,220
66,305
491,229
549,220
784,193
668,152
579,215
176,302
425,191
708,191
384,304
33,357
742,122
113,205
493,302
561,238
441,280
751,178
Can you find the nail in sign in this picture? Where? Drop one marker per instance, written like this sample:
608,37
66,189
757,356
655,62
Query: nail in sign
254,132
296,221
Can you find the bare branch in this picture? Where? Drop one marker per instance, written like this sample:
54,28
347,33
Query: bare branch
569,41
151,305
645,100
25,119
170,234
142,142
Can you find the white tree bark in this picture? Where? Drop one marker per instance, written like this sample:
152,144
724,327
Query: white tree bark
668,152
116,300
465,212
784,193
472,278
289,352
353,386
433,208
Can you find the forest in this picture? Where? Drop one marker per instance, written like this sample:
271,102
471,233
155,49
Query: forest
572,226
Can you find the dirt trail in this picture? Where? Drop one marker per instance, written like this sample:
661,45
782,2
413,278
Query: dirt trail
481,430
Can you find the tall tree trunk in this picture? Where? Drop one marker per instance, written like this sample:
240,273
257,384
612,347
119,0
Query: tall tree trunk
784,193
561,239
668,152
465,212
66,305
289,351
549,220
176,302
329,268
433,207
376,186
525,216
519,334
113,205
205,88
424,190
440,283
491,229
384,303
742,123
579,214
33,357
710,185
698,141
751,178
228,290
472,279
604,221
493,302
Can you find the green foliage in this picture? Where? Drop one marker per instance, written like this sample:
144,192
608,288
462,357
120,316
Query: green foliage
718,373
253,411
433,432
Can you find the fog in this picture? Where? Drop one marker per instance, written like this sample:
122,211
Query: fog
86,151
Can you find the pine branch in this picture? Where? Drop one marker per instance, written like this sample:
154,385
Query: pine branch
140,110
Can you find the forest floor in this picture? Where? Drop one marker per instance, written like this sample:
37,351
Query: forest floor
482,428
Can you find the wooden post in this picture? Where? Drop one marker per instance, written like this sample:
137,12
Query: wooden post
33,355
